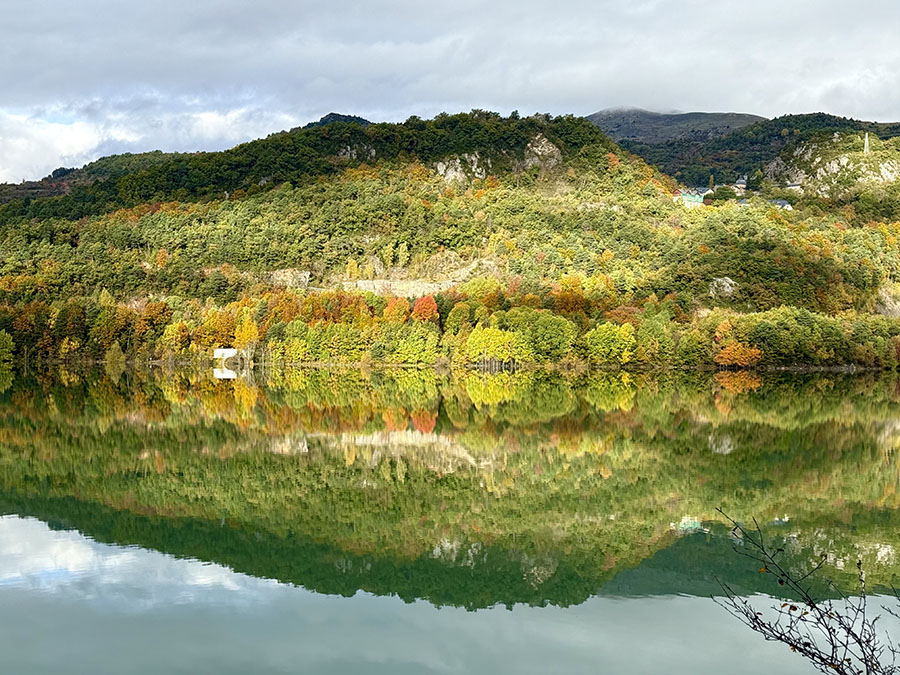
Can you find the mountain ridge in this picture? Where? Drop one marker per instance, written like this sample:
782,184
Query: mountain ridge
647,126
743,151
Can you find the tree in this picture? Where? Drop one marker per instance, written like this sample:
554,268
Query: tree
738,354
397,310
218,329
246,334
176,338
654,340
493,344
835,636
387,255
552,337
425,309
610,344
7,347
458,318
352,271
402,254
723,193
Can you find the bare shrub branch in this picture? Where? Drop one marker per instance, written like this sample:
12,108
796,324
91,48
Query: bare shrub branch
836,636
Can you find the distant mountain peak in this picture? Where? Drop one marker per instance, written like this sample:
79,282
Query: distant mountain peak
637,124
333,117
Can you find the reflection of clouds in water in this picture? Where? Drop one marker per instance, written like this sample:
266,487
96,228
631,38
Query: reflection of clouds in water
74,593
34,557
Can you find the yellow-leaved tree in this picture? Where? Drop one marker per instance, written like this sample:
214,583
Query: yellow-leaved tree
246,334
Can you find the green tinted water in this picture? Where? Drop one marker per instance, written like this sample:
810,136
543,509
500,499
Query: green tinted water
318,521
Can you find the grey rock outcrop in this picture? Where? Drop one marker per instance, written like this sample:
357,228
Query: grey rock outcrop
722,288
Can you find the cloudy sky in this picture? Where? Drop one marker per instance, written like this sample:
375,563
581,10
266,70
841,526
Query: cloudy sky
79,80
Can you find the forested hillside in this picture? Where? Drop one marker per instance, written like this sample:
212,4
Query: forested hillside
471,238
644,126
302,154
748,150
63,180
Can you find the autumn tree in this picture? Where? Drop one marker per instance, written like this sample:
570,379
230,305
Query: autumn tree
738,354
425,309
246,332
610,344
397,310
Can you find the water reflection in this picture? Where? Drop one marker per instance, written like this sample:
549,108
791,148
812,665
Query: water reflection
37,559
466,490
108,609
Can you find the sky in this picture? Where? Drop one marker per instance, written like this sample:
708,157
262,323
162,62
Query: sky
80,80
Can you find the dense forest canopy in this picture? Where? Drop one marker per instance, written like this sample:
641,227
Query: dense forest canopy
747,150
468,238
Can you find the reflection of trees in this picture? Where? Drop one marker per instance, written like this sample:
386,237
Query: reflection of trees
550,477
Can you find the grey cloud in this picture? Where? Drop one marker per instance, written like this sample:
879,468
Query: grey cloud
143,74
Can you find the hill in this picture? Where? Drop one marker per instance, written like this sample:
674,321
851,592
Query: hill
477,144
62,180
747,150
333,117
635,124
472,238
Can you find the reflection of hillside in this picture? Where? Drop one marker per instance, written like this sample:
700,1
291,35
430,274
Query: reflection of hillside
438,453
558,484
695,564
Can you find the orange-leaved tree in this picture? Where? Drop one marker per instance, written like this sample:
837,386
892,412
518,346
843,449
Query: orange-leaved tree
738,354
425,309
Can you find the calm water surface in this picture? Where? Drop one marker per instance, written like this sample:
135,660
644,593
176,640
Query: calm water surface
398,522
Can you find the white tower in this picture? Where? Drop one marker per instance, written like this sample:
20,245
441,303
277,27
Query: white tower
866,147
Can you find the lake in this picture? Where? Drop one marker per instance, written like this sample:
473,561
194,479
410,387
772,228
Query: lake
409,521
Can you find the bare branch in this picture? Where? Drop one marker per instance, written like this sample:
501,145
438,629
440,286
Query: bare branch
836,637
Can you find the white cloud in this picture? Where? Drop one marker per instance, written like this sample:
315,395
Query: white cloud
29,145
32,146
35,558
